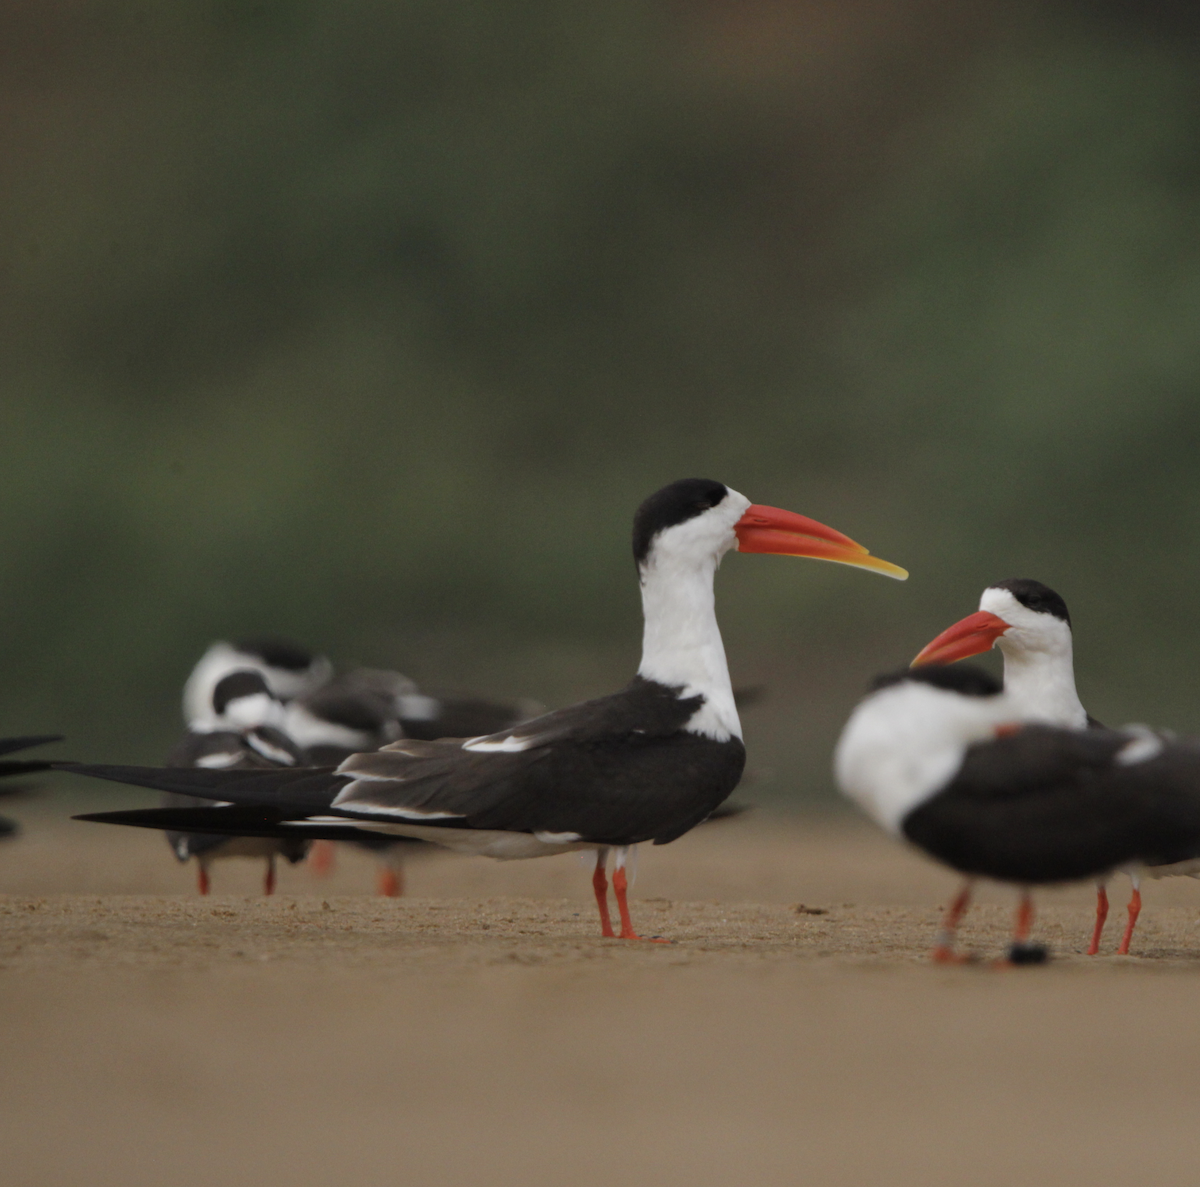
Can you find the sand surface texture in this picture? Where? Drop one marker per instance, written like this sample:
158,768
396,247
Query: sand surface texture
479,1030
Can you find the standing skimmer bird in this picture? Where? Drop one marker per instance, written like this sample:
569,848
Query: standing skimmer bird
943,757
647,763
1031,626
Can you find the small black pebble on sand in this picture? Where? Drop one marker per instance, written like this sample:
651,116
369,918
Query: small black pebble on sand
1028,954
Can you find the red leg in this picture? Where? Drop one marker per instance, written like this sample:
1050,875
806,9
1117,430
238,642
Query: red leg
202,880
1024,920
600,886
1021,951
943,947
391,881
620,886
1101,916
320,858
1135,909
269,881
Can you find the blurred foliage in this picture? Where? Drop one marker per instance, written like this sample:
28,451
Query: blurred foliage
371,323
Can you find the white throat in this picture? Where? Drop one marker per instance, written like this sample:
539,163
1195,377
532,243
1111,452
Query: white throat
681,642
1039,667
1042,683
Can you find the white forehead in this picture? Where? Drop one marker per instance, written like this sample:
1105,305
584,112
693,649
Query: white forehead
709,533
1003,604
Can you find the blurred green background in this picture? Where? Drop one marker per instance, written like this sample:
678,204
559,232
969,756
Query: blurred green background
371,323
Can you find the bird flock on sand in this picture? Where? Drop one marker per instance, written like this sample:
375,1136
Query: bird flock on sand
1013,781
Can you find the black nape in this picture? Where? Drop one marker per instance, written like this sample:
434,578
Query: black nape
674,504
961,678
278,653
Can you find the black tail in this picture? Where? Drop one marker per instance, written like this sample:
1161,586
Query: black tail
24,767
229,822
12,745
291,791
13,767
727,811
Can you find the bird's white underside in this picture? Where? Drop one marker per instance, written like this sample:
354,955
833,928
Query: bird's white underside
480,842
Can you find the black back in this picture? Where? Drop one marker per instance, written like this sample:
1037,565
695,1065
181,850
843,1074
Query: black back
965,679
1054,805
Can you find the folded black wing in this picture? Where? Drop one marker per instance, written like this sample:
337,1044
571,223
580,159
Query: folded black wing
1048,805
613,770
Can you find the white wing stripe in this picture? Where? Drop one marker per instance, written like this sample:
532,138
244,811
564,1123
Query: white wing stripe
217,762
345,801
512,744
366,809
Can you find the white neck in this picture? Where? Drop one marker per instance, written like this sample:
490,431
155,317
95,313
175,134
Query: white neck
903,744
1041,681
681,643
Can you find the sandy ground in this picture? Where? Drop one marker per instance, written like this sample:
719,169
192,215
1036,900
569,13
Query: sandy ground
480,1031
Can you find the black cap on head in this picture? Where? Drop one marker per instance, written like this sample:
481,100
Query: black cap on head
243,683
672,505
964,679
278,653
1035,596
